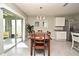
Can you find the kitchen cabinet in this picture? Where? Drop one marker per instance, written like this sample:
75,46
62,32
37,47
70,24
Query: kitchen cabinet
60,35
60,21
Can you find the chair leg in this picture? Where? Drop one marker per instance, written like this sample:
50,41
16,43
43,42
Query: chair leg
34,52
72,44
44,52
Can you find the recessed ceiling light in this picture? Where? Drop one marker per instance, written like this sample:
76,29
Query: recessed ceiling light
41,7
65,4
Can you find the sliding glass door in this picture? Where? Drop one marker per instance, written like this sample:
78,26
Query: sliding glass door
12,29
8,33
17,30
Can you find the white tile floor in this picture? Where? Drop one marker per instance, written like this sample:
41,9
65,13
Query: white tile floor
8,43
58,48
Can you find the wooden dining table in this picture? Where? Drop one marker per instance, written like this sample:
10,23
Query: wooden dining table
47,37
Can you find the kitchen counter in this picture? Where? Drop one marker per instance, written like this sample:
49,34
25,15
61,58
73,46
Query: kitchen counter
59,30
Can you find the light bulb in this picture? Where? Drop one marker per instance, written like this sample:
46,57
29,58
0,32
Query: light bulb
40,17
43,17
37,17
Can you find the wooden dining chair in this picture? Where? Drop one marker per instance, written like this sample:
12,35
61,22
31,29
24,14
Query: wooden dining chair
49,34
39,43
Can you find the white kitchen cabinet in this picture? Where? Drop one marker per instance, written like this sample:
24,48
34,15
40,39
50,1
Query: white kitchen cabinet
60,21
60,35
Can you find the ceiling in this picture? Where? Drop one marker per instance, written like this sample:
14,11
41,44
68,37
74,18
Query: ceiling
48,9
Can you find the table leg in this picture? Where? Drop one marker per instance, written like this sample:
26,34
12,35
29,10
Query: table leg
31,47
49,47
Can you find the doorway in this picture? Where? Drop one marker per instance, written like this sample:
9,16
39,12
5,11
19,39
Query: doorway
17,30
13,29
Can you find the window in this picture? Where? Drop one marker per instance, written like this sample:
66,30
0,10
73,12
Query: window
44,24
36,24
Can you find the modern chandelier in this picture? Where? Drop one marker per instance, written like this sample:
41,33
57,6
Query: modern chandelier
40,17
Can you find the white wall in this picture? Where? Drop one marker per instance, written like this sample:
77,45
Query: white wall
50,20
1,31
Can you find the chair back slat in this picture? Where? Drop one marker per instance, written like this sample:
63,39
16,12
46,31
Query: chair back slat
39,36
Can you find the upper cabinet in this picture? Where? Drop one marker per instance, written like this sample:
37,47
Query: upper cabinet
60,21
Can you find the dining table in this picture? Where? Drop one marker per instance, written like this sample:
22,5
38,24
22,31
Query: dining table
47,38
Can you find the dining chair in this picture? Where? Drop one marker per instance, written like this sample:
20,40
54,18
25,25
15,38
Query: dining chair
39,43
49,34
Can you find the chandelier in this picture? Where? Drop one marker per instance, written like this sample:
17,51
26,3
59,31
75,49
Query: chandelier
40,17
